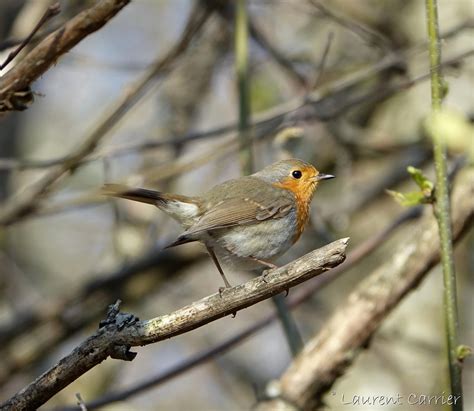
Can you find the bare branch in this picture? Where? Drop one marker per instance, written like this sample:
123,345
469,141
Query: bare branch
311,287
322,62
286,64
68,314
14,86
50,12
333,349
121,331
366,33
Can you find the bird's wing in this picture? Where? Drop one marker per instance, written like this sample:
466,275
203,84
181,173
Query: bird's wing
240,211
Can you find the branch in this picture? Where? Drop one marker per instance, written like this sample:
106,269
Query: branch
332,350
311,287
121,331
68,314
15,93
367,34
50,12
280,59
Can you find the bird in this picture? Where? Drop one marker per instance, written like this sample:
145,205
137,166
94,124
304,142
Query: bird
246,222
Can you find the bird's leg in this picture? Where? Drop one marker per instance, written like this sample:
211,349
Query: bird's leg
267,264
219,268
221,272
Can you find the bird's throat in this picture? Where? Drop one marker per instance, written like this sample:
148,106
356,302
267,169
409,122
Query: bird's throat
303,196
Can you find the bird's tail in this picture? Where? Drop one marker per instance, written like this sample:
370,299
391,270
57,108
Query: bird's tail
142,195
183,209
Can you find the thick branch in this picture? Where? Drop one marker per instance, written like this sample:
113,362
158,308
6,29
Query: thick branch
54,320
119,334
333,349
14,86
358,253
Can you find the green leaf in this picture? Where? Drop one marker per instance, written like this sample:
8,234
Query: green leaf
409,199
463,351
413,198
426,186
444,88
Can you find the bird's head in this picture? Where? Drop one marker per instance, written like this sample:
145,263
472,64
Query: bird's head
295,175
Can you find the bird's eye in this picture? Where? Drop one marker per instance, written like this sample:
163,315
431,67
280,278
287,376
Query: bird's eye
296,174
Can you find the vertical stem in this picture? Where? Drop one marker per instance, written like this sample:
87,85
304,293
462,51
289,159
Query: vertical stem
290,328
442,208
241,66
246,159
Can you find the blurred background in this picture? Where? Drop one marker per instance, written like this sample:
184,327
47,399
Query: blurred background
341,84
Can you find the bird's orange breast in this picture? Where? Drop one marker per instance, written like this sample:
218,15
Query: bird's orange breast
303,192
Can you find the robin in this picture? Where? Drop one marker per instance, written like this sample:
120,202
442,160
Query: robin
247,222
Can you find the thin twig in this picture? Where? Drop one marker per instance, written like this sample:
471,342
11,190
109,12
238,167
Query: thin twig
290,329
366,33
50,12
121,331
443,208
322,63
264,42
80,402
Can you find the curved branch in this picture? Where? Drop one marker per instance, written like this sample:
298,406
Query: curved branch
122,331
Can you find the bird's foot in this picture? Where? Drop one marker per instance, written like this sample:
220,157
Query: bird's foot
265,275
222,290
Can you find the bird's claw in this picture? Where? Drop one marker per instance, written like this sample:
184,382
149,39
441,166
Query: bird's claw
264,276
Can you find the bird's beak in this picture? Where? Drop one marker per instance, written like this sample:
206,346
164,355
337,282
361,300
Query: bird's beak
322,176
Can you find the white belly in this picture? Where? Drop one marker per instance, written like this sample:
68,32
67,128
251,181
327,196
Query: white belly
266,240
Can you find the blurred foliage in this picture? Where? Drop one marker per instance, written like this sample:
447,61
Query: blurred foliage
456,130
